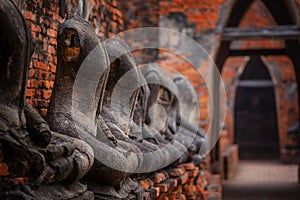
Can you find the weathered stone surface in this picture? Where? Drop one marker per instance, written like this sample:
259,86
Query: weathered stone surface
173,126
35,155
82,74
104,121
81,78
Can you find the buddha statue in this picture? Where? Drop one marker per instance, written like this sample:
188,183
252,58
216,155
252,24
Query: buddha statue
76,103
41,164
126,91
157,110
167,110
187,116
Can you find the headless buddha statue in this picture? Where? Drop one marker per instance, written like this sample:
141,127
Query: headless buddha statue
42,164
165,97
186,117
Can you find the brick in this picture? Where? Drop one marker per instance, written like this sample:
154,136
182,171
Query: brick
38,94
188,166
27,14
40,37
51,84
159,177
45,47
46,22
33,102
193,173
163,187
52,77
35,28
34,36
43,75
41,20
43,112
146,183
173,196
46,94
51,50
54,25
21,180
172,182
157,191
40,65
177,172
189,190
28,83
33,83
31,73
51,33
43,103
52,67
30,92
4,169
47,84
183,179
163,197
53,41
33,17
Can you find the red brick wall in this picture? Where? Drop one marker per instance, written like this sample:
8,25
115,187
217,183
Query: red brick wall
43,18
280,67
137,14
258,16
204,13
140,13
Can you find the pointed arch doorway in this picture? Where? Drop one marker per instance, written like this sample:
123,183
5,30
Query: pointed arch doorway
255,127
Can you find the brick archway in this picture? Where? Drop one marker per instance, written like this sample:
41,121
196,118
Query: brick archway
225,50
253,99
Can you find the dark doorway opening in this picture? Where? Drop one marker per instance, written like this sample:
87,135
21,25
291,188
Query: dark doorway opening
256,129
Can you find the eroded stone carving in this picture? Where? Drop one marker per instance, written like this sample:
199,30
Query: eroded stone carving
82,72
186,118
172,125
133,90
49,163
107,121
162,91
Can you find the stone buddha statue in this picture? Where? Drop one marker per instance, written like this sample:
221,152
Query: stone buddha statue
167,110
82,72
124,107
41,164
157,110
95,98
187,116
189,108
